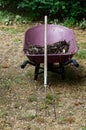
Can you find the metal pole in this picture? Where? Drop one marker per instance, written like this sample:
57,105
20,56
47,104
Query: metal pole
45,53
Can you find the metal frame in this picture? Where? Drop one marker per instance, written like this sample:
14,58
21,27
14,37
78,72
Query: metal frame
60,69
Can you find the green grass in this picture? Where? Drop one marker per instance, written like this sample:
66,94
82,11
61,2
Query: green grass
5,83
32,98
27,74
3,113
27,117
14,85
16,40
84,128
82,45
17,105
50,99
10,30
81,54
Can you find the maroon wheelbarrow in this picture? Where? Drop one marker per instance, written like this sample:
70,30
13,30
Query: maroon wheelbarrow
56,33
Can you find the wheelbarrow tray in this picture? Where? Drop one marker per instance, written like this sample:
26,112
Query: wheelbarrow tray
52,58
56,33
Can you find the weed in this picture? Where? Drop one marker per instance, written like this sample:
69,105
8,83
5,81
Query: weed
21,20
31,117
6,17
62,119
27,74
16,40
55,21
16,105
32,98
50,99
42,106
9,18
82,24
69,22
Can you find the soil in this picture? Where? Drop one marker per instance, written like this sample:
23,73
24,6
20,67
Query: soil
55,48
18,90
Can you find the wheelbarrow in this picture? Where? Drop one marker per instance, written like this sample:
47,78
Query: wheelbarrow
56,33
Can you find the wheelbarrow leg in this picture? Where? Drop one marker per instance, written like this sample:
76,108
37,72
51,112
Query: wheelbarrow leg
62,70
36,71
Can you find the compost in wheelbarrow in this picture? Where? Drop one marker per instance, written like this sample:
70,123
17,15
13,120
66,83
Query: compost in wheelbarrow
56,48
57,35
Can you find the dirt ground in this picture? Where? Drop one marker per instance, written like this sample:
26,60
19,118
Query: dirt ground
18,90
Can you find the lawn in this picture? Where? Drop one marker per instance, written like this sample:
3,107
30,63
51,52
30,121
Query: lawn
18,90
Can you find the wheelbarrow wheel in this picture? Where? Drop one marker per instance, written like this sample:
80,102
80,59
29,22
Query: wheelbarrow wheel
36,71
62,70
63,76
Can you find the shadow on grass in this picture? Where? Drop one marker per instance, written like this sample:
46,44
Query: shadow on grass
73,76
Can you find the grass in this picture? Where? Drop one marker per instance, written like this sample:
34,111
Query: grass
3,113
50,98
10,30
84,128
32,98
81,54
28,117
81,45
17,98
17,105
16,40
5,83
17,78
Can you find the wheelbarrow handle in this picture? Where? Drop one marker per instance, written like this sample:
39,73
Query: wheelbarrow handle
24,64
27,62
75,63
